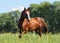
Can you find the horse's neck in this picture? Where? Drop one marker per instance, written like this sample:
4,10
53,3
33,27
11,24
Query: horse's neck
21,20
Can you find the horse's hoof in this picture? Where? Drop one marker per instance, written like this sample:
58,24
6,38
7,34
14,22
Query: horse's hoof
20,36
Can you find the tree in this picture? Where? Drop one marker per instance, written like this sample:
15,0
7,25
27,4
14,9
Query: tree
8,21
50,12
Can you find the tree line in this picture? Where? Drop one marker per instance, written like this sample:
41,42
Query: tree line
50,12
8,21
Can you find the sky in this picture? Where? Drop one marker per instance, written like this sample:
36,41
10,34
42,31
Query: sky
9,5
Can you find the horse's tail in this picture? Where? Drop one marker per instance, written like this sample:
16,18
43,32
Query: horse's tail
45,26
43,22
45,30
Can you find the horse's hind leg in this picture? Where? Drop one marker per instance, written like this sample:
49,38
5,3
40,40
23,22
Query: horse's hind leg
39,31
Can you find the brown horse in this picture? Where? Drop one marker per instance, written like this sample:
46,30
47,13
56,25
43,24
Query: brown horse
26,23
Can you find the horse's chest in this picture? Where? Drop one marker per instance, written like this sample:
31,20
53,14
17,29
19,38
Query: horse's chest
24,24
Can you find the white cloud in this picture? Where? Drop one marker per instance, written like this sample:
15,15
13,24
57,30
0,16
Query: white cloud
21,8
14,9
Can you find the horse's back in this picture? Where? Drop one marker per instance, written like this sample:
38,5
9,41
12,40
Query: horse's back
36,20
33,20
41,21
33,24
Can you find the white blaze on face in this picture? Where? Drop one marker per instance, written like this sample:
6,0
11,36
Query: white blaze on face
28,13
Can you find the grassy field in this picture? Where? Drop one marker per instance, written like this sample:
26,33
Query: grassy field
29,38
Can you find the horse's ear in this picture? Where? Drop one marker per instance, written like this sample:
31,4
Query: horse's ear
24,8
28,8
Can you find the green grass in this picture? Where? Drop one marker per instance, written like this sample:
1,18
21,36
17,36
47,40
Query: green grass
29,38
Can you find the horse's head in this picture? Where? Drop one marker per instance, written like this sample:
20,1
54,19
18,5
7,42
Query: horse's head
25,14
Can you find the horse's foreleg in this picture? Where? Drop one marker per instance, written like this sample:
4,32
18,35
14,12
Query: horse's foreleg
20,31
24,31
22,34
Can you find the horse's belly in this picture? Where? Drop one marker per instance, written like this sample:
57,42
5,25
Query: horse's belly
33,26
